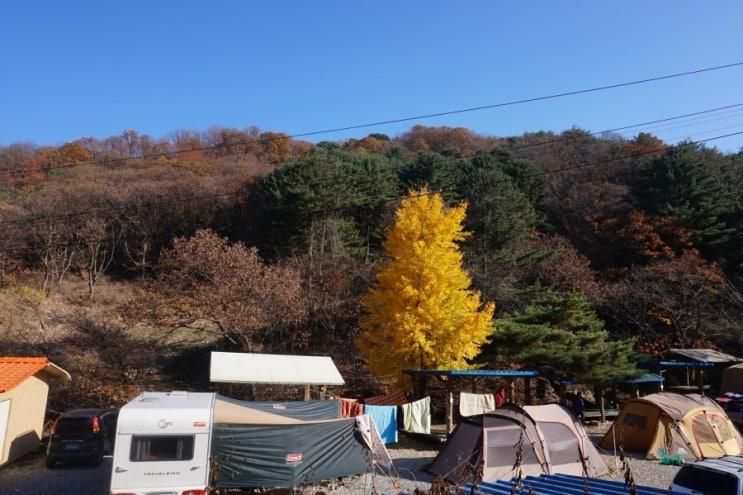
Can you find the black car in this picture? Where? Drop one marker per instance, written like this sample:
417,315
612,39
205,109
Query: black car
81,435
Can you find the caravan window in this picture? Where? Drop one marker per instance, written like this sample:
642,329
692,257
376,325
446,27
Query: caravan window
162,448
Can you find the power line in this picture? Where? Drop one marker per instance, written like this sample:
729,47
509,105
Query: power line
669,126
402,119
631,126
194,199
21,249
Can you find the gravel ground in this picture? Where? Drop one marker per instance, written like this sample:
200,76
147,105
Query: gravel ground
30,476
645,472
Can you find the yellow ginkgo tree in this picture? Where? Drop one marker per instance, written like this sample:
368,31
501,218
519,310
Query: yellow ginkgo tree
422,313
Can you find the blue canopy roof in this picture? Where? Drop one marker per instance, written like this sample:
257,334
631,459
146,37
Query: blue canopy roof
646,378
559,484
654,363
475,373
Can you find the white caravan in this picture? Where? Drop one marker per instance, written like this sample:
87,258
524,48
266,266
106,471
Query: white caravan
162,444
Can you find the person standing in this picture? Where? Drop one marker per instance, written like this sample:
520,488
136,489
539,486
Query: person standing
579,405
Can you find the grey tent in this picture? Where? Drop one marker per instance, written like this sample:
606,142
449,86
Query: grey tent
485,447
254,447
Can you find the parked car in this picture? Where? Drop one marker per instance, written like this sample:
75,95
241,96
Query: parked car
81,435
723,476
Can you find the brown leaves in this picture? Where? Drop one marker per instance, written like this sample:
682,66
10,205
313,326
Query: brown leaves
252,303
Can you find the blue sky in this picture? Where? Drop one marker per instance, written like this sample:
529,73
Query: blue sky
94,68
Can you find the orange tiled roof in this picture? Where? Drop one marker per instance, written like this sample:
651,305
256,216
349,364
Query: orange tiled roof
13,370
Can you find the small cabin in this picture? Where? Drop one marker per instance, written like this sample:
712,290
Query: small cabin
24,387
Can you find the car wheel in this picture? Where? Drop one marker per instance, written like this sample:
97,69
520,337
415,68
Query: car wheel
50,462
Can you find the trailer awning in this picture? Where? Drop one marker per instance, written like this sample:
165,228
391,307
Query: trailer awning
275,369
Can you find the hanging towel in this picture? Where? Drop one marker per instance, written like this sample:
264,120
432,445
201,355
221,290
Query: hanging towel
417,416
500,397
350,408
474,404
385,419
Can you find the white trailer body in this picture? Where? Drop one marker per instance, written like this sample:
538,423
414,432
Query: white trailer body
163,442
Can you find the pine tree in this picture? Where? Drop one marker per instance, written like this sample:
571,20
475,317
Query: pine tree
422,312
688,183
561,335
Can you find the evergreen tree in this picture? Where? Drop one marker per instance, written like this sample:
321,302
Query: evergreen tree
328,187
560,334
688,182
422,312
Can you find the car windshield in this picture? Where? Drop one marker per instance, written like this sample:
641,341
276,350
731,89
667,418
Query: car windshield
72,426
707,481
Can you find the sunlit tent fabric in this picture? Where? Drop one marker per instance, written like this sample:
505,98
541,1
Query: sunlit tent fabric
306,410
671,421
551,441
256,448
278,369
732,379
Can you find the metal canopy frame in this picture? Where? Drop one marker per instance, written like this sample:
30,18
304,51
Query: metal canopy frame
475,373
441,374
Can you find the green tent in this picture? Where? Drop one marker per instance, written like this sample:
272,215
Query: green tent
252,447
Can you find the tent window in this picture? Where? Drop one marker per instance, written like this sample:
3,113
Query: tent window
157,448
722,426
501,446
635,421
561,442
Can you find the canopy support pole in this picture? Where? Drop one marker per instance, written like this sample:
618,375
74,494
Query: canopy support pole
449,412
700,382
306,391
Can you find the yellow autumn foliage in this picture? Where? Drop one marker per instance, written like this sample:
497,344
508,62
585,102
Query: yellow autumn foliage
421,312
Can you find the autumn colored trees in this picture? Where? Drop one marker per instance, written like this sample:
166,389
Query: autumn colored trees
254,305
422,312
276,241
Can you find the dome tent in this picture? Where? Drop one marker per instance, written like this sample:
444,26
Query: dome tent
551,441
672,421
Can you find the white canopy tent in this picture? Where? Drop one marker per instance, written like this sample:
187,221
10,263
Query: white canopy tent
274,369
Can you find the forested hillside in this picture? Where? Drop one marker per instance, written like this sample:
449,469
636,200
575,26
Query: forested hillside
123,258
